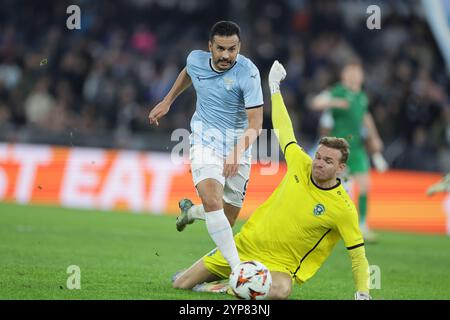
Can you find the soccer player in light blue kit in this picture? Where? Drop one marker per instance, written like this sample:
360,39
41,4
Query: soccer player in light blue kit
227,120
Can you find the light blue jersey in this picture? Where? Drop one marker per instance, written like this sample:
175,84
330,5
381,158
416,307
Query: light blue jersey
220,117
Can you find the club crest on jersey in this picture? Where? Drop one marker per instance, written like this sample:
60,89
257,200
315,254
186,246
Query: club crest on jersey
228,83
319,209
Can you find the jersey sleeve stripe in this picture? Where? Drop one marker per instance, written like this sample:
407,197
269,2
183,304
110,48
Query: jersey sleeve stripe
355,246
253,107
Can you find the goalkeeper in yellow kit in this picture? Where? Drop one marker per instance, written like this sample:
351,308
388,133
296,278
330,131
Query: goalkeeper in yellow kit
295,229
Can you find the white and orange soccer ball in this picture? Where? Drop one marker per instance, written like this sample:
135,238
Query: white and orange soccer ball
250,280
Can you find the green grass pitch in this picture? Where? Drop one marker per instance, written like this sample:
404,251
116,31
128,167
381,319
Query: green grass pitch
133,256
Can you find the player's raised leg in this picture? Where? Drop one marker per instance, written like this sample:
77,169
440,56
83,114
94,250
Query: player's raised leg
191,212
193,276
233,197
211,193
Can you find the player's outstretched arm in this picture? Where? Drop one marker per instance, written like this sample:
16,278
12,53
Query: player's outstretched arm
375,144
324,101
280,117
360,270
182,83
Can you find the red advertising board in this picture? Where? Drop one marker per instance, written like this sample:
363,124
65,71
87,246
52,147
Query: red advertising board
152,182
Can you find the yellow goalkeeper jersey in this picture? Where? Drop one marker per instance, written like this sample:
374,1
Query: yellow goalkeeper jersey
300,223
296,228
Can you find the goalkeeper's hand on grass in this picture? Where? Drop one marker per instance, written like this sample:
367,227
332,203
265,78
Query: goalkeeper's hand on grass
276,75
362,296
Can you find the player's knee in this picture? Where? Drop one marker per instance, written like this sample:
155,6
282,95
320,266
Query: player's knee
211,203
364,185
279,291
363,191
285,292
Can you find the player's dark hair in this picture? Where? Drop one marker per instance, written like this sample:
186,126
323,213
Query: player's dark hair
339,144
225,28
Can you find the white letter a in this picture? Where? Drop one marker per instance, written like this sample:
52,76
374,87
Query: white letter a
74,20
74,280
374,21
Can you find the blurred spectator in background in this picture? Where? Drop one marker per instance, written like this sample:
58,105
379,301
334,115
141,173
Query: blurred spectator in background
125,44
40,104
345,114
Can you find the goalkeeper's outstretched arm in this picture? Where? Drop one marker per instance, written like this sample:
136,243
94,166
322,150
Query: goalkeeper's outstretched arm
360,270
280,117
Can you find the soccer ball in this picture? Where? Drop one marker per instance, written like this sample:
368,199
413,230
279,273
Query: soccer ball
250,280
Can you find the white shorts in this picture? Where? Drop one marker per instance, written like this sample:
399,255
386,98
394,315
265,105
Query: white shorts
207,164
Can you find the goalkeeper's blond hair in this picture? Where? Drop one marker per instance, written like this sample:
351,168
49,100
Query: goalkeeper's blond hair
339,144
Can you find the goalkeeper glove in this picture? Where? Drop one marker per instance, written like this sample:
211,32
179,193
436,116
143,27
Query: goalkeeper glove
276,75
362,296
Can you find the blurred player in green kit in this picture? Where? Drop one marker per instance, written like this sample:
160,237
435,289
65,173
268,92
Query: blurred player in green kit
346,115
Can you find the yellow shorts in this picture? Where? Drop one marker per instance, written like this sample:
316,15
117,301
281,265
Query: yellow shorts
216,264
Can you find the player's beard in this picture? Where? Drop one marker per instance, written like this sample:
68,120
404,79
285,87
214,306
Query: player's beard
225,66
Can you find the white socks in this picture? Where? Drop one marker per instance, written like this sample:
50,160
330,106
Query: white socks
220,231
197,212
